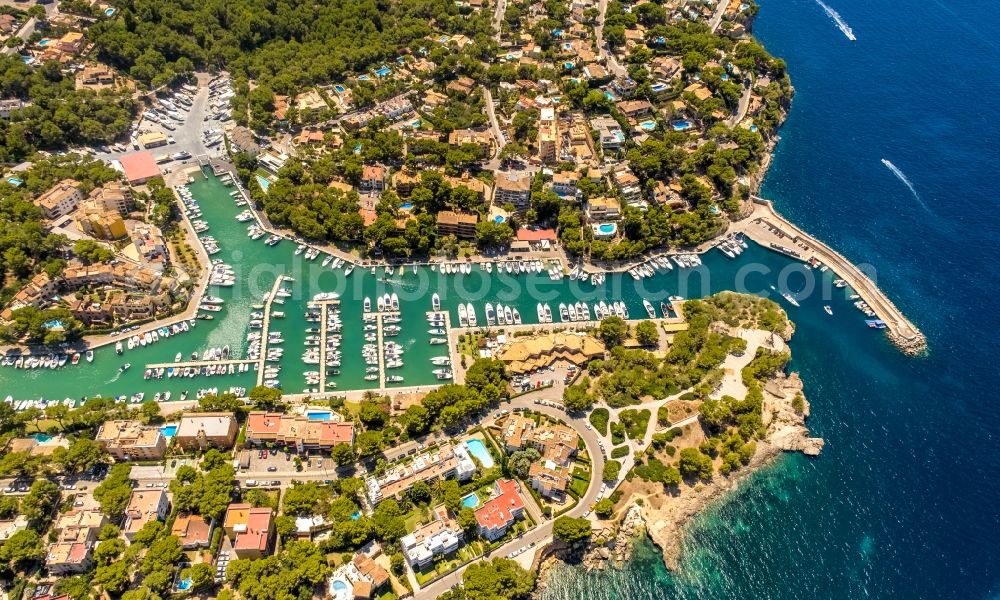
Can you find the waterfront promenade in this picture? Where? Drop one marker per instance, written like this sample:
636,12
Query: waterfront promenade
770,229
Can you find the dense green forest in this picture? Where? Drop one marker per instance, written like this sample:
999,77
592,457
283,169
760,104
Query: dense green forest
55,113
285,44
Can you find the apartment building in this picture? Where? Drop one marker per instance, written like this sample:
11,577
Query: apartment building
438,463
144,505
131,440
61,199
440,537
513,188
501,511
461,225
298,431
201,431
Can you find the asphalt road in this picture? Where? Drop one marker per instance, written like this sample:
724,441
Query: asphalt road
542,534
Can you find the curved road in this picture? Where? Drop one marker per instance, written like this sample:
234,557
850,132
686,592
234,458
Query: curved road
541,534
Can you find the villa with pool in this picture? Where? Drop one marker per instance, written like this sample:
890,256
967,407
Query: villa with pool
602,213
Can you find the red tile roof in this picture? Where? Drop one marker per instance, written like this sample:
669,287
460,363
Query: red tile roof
535,235
139,166
496,513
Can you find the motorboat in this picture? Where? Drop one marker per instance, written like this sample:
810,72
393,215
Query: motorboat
463,316
517,317
368,304
491,318
541,312
508,314
828,310
563,312
471,312
649,308
435,302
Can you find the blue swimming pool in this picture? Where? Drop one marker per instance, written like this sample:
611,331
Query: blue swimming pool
681,125
44,42
339,88
383,71
54,324
470,501
14,181
607,228
568,66
338,585
753,128
109,11
168,430
406,206
498,219
478,449
319,415
356,515
648,125
184,584
264,182
41,438
609,95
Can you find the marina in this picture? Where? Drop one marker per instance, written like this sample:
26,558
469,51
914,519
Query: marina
526,292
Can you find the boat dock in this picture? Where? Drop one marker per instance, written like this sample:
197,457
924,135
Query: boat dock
324,306
770,229
200,363
266,326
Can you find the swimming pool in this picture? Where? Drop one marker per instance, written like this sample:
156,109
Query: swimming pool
681,125
184,584
44,42
264,183
406,206
753,128
470,501
356,515
498,219
478,449
339,589
41,438
319,415
54,324
339,88
604,230
648,125
168,430
609,95
109,11
383,71
568,66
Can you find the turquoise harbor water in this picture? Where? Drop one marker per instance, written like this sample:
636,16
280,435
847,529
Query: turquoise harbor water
902,503
257,266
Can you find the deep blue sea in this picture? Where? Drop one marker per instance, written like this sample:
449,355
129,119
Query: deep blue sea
905,500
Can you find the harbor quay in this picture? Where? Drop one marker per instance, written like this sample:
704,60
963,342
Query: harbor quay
769,228
262,304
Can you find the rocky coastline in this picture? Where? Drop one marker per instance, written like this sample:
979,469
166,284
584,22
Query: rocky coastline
662,514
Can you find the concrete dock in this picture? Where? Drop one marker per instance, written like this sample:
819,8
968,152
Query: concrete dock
770,229
266,327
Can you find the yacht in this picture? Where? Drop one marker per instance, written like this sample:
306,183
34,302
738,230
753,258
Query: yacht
387,302
380,303
490,315
437,331
563,312
368,304
349,269
442,373
517,317
394,378
649,308
548,313
90,355
541,313
394,300
571,310
118,347
435,302
441,361
828,310
463,318
471,311
791,299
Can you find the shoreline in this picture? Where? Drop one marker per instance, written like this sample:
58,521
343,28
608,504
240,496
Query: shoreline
663,515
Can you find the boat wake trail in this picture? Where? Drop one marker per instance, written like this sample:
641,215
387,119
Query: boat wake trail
909,184
841,23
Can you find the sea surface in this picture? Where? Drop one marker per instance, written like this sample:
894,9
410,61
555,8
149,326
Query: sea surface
903,501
